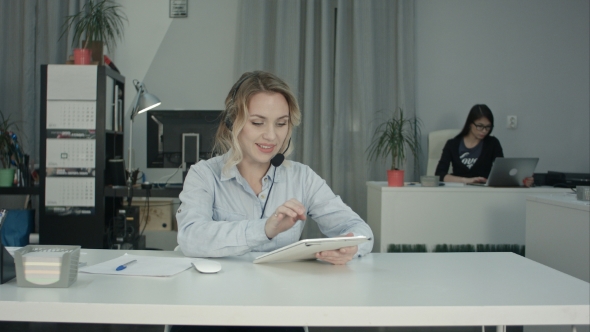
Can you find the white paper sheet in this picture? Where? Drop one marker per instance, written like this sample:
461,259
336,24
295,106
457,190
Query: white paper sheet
69,191
70,153
67,82
71,114
147,266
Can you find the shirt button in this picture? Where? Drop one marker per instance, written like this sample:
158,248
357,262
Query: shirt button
179,210
265,179
262,196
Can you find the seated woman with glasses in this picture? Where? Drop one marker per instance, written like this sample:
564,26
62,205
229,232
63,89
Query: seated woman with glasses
473,151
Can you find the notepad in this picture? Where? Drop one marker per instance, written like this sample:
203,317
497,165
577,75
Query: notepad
147,266
42,268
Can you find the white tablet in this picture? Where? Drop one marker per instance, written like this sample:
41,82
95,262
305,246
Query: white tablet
306,249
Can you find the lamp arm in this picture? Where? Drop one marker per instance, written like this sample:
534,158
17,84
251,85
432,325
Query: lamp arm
135,103
130,167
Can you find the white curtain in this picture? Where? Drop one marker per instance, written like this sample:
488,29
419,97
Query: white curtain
347,60
29,35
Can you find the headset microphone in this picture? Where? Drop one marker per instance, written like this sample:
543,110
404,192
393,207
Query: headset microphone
276,161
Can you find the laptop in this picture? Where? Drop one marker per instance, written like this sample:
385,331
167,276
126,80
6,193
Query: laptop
509,172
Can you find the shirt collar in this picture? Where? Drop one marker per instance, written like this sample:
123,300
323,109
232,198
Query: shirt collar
280,175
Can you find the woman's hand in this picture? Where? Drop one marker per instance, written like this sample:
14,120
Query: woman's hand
339,256
284,217
478,179
453,178
528,182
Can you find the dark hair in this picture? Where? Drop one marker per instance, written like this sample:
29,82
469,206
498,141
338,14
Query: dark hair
477,112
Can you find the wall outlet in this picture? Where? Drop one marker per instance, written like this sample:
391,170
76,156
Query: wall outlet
511,122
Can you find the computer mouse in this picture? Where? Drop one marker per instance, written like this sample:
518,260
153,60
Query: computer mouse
206,266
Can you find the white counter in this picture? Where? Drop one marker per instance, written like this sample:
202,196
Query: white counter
448,214
558,233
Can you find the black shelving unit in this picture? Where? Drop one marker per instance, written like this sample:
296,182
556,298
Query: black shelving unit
20,191
73,225
139,192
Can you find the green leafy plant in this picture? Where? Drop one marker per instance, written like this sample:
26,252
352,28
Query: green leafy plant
9,148
97,21
393,136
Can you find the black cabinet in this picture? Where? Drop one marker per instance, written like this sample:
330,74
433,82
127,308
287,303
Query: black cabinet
81,130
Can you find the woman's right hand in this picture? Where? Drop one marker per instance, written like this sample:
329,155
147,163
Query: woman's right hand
284,217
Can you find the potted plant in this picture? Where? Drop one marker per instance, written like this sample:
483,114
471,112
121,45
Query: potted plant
10,153
101,23
391,138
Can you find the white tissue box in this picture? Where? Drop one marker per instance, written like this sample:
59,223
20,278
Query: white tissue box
429,180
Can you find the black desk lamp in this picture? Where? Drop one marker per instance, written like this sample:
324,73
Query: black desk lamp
144,101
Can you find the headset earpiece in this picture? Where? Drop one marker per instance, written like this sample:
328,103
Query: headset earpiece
228,122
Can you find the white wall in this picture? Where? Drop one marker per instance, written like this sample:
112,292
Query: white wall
186,62
528,58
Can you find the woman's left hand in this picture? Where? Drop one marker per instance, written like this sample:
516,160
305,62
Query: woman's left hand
528,182
339,256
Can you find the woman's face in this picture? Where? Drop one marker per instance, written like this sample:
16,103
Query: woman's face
265,129
480,128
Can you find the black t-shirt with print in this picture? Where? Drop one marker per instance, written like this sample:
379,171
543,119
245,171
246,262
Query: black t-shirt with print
469,156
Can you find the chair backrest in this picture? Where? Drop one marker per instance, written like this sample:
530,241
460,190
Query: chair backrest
436,143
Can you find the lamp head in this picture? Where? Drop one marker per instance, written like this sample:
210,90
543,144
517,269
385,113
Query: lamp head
144,101
147,101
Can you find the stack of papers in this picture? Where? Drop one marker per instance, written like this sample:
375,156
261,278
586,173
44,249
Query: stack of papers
147,266
43,267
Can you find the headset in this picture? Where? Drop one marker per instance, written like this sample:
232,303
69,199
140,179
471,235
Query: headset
228,122
278,159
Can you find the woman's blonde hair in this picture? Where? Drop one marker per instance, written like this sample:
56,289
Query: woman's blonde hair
236,113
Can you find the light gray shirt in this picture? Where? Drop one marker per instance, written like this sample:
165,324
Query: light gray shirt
219,214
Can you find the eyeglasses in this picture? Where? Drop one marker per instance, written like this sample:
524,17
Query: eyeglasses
481,127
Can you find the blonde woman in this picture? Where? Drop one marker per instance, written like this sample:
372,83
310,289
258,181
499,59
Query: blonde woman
248,198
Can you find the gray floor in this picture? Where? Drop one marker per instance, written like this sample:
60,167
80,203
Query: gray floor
59,327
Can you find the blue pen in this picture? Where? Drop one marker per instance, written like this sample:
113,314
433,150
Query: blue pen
124,266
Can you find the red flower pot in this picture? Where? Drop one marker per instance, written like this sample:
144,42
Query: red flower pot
395,178
82,56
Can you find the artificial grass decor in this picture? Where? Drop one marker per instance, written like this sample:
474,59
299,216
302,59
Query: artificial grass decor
406,248
454,248
515,248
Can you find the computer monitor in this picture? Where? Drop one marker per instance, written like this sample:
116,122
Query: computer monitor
165,129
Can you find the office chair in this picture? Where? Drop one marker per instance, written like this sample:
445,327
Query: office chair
436,143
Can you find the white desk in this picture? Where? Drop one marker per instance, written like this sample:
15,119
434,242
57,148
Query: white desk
558,233
448,215
435,289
